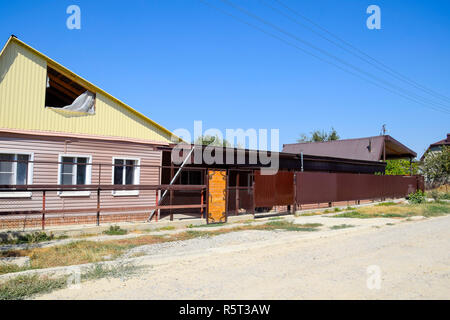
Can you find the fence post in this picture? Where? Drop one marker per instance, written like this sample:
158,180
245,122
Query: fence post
98,206
43,210
156,205
201,203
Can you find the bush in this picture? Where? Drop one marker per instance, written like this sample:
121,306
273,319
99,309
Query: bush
115,231
417,197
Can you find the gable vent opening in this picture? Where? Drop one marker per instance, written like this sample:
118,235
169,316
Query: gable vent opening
64,94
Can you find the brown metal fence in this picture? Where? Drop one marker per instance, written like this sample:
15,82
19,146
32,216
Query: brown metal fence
274,190
323,187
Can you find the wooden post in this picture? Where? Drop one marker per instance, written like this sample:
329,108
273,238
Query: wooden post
98,206
156,205
171,199
201,202
43,210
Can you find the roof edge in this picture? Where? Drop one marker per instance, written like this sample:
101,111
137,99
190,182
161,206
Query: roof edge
79,78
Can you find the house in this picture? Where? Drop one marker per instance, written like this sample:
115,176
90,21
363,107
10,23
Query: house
54,125
72,153
376,148
437,146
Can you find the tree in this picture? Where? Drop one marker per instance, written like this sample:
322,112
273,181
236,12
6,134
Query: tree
400,167
319,136
212,141
436,167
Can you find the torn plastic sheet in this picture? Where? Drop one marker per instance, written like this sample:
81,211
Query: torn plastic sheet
83,103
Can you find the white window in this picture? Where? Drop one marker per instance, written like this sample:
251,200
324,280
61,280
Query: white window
16,169
126,171
74,170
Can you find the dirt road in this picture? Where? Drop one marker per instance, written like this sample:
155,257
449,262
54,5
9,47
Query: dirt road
413,259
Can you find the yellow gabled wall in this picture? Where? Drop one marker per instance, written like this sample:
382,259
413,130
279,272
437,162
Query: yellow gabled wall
22,98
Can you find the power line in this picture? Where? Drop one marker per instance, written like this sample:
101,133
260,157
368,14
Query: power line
378,64
316,56
324,52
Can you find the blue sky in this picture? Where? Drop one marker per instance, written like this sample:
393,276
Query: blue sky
179,61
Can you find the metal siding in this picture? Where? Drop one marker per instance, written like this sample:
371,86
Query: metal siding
46,149
22,99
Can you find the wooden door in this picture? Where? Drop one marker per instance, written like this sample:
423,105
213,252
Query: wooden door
217,189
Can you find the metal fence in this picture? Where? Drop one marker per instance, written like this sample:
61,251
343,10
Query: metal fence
323,187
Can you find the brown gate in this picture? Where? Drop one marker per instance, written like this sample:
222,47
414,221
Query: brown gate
217,188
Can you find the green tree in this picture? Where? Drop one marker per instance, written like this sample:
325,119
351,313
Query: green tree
400,167
319,136
436,167
212,140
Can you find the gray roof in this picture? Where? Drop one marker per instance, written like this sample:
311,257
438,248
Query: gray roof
370,148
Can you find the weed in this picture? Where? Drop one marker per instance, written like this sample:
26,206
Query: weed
22,287
99,271
384,204
416,197
166,228
341,226
115,231
337,210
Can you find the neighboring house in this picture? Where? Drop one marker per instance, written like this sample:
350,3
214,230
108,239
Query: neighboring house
437,146
52,116
377,148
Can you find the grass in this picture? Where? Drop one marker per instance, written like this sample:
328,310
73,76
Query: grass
211,225
26,286
167,228
115,231
86,251
341,226
384,204
34,237
433,209
23,287
99,271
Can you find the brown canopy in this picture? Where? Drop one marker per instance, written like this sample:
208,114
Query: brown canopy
370,149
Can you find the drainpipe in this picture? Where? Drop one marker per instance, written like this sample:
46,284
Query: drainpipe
301,159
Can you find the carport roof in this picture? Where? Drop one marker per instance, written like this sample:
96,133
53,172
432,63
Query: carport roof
369,149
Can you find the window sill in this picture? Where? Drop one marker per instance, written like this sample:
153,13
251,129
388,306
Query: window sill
63,194
123,193
18,194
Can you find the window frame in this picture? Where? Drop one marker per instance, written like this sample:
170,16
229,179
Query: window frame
80,193
30,168
136,176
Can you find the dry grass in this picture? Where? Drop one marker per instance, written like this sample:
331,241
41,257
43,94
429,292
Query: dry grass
85,251
399,211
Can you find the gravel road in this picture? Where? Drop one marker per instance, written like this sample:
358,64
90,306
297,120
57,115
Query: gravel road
413,259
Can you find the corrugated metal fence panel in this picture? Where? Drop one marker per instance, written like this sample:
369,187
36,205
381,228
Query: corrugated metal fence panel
273,190
310,183
322,187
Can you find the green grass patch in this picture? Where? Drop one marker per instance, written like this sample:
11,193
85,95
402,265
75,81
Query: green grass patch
275,218
34,237
389,203
289,226
99,271
341,226
432,209
115,231
23,287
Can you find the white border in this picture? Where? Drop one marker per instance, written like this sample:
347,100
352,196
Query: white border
136,180
82,193
22,194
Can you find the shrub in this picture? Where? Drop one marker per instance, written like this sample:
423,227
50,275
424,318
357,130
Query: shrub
115,231
417,197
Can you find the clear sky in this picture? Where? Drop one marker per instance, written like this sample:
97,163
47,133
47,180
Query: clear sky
178,61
